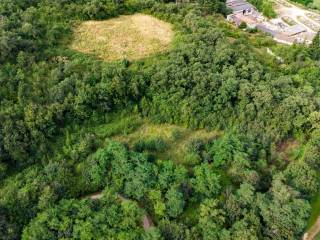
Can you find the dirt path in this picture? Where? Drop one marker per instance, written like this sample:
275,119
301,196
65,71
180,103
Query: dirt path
270,52
94,196
313,231
147,222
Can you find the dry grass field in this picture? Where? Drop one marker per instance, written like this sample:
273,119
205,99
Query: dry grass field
131,37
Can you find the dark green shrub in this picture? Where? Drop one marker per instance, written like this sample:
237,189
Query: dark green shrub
152,144
139,146
176,134
252,30
192,159
196,145
243,25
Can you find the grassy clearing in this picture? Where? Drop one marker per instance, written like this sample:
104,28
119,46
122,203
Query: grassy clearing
131,37
131,128
177,139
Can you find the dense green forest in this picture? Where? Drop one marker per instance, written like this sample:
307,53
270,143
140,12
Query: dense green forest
69,125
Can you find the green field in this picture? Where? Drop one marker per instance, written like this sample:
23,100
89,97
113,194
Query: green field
131,37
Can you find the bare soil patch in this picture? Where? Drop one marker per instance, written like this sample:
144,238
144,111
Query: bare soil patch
131,37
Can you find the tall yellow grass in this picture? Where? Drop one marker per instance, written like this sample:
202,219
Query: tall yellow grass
131,37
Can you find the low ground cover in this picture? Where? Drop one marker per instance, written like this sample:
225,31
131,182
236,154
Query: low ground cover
131,37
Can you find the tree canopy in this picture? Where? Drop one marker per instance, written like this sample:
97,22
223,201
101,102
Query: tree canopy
72,125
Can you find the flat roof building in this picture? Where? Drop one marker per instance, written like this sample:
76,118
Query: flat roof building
242,11
238,6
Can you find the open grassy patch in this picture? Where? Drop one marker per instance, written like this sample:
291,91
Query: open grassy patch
164,141
176,138
131,37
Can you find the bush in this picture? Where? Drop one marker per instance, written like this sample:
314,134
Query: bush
176,134
139,146
3,170
243,25
252,30
193,159
152,144
196,145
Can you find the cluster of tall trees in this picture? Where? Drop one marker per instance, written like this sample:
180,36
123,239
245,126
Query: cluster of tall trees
88,220
236,187
246,206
